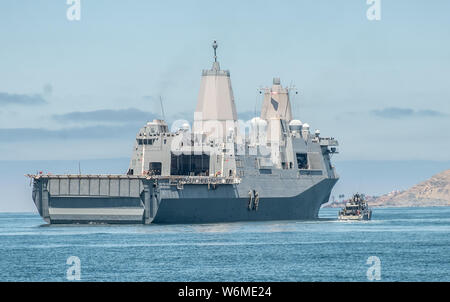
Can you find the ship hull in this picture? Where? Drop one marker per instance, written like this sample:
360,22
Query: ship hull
364,216
147,203
304,206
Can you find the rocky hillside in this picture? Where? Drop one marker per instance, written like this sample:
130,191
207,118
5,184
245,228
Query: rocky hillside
432,192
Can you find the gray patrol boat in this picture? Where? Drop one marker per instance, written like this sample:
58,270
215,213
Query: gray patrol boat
356,208
218,170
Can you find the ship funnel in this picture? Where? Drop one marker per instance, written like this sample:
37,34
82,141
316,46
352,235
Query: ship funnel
216,110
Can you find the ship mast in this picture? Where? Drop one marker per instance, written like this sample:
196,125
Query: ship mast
215,45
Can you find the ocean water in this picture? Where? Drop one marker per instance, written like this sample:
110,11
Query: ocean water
412,244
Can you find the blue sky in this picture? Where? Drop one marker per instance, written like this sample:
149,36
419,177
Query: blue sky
81,89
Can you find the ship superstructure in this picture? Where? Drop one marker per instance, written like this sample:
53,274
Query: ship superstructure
220,170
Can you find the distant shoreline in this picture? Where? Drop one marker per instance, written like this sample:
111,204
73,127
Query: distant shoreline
341,205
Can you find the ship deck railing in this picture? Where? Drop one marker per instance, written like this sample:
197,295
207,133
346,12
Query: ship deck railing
173,179
206,180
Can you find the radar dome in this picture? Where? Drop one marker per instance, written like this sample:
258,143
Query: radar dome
258,122
295,125
185,127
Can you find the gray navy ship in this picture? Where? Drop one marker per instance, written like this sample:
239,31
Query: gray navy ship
219,170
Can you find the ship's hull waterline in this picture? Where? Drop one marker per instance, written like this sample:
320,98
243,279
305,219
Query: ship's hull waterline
142,201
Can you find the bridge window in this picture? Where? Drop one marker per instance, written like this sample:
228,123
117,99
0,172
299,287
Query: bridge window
265,171
146,141
154,168
189,164
302,160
